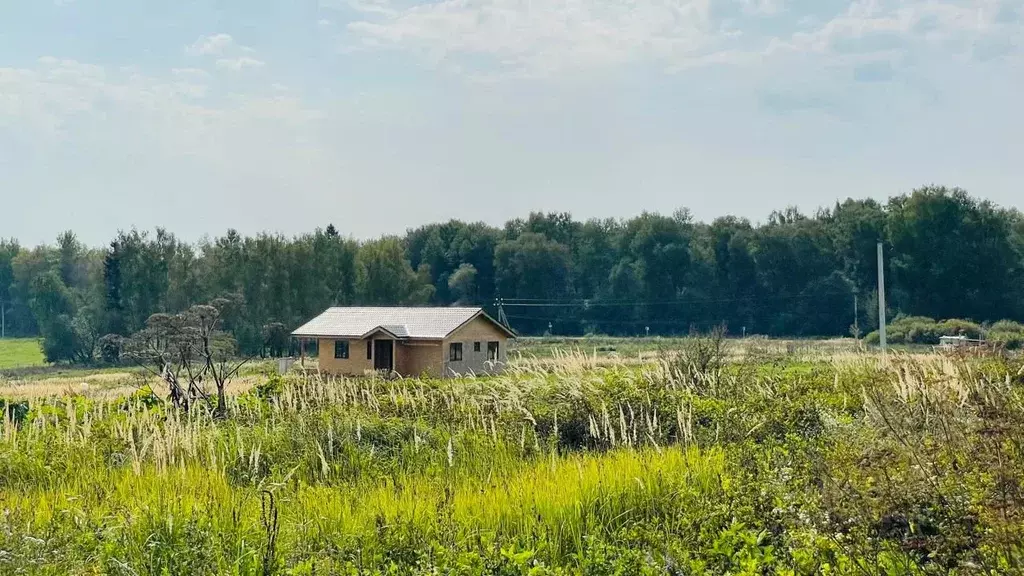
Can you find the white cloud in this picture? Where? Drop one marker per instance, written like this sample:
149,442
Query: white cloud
239,63
227,54
539,36
213,45
545,37
57,95
194,73
382,7
762,7
66,100
951,24
163,144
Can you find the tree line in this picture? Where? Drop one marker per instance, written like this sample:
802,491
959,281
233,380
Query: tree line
949,255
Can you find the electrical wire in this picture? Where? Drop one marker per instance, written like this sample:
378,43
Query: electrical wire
685,323
753,305
554,303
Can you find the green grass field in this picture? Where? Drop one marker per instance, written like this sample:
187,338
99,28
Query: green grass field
20,353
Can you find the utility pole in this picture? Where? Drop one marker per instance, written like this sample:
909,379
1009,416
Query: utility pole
856,324
499,302
881,299
3,319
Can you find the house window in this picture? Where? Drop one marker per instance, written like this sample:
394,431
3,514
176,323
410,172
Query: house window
341,349
492,351
476,346
369,349
455,352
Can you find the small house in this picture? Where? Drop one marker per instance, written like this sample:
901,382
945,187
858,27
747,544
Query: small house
959,342
951,342
439,342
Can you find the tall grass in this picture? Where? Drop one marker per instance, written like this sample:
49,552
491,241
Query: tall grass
765,464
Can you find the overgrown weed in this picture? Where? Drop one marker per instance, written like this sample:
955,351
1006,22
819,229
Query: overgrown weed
702,462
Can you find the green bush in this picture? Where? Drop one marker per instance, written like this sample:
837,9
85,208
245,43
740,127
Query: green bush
111,347
13,410
1007,326
144,397
269,388
924,330
1008,334
956,327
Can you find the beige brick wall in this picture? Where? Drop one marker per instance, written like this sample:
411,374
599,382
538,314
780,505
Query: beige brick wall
355,365
482,331
418,358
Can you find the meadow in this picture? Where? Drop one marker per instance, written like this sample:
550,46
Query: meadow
20,353
688,457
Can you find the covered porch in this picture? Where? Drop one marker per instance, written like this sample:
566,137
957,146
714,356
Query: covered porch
381,351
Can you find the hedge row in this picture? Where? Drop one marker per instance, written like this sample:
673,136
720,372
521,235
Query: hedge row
922,330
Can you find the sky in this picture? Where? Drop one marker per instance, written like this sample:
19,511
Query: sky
380,115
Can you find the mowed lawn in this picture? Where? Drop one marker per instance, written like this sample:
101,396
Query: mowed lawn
20,352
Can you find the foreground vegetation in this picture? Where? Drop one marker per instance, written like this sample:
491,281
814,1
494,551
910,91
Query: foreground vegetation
766,464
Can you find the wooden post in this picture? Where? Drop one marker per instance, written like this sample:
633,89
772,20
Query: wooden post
302,352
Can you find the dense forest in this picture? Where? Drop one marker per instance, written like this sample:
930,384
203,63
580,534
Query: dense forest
949,255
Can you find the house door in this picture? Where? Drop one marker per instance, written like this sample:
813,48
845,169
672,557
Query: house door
384,355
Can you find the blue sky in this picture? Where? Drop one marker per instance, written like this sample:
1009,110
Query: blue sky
378,115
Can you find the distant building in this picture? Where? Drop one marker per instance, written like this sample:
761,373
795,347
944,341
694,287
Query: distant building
957,342
439,342
952,341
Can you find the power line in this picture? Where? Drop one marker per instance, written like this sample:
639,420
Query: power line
615,322
578,316
554,303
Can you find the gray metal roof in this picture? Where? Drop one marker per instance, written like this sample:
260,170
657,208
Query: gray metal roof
359,322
